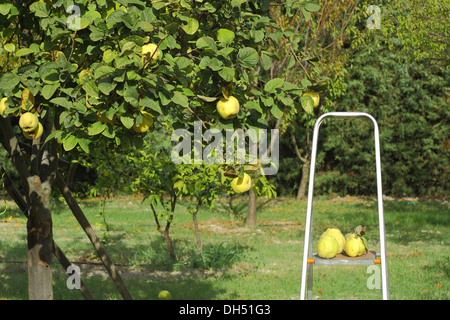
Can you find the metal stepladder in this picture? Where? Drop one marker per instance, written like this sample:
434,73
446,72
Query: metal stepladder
309,258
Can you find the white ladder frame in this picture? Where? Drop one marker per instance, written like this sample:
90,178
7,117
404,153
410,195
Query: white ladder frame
307,250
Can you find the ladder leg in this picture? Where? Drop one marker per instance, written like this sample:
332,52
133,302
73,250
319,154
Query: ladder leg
307,249
384,267
310,265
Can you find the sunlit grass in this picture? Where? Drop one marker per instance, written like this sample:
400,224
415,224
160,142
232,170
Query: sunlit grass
236,261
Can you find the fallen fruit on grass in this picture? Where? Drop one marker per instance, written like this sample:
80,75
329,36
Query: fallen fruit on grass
337,234
327,247
28,122
164,295
240,185
228,108
355,243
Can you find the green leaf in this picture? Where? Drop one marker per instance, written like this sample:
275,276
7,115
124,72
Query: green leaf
131,96
91,88
253,105
51,77
307,14
182,62
266,62
276,112
152,104
312,7
23,52
10,47
191,27
207,99
227,74
63,102
96,128
48,90
70,142
84,144
305,83
225,36
180,99
79,24
128,48
39,9
307,103
5,8
9,81
237,3
106,87
103,70
206,42
127,122
273,84
248,57
109,132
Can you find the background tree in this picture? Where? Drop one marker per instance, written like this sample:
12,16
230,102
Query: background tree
422,28
409,99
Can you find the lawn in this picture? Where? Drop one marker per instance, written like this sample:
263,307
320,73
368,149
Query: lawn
236,262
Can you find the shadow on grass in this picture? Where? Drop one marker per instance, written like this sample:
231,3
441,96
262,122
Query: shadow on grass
148,270
409,221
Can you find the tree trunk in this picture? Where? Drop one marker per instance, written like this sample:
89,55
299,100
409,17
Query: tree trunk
38,181
305,168
40,243
197,233
251,209
303,181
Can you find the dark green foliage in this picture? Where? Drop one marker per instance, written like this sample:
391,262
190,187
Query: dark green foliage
409,102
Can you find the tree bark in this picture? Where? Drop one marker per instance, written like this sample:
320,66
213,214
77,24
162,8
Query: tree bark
23,207
303,182
166,231
305,168
251,209
40,243
197,231
38,182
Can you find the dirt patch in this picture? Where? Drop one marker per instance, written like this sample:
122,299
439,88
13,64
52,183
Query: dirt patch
139,273
234,228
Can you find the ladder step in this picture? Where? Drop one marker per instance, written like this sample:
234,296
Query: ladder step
342,259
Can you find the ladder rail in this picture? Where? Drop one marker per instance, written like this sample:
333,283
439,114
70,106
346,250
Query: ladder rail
307,250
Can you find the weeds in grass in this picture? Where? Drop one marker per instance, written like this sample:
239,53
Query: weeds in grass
216,256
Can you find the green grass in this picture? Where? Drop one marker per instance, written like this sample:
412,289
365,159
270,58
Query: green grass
236,262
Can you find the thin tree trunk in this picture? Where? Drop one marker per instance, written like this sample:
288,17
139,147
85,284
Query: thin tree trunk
40,243
303,182
166,231
38,182
305,168
84,223
251,209
197,231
